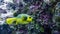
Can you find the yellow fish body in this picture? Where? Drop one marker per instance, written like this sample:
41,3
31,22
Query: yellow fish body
20,19
10,20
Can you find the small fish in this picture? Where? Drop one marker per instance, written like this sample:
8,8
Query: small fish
20,19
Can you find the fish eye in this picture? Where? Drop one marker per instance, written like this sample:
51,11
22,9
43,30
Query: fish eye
29,17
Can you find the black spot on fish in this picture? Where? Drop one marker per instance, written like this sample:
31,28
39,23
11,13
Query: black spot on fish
14,22
25,18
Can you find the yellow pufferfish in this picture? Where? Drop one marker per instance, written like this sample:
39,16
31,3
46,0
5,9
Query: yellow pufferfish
20,19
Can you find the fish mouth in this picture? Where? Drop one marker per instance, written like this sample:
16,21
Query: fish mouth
28,21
